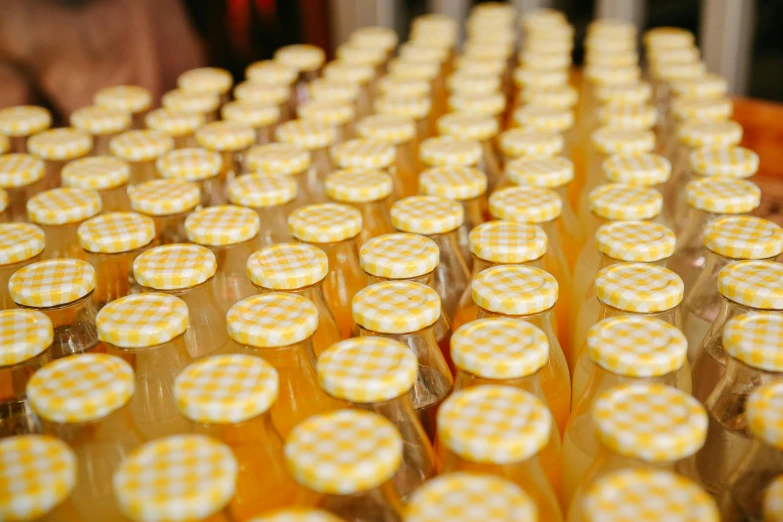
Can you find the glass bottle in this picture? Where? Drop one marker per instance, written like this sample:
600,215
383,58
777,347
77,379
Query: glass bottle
684,109
339,116
179,124
272,197
168,202
637,93
482,128
101,123
107,175
205,104
129,99
314,138
369,192
22,177
141,149
211,80
20,245
417,108
59,212
307,61
22,121
201,167
401,133
230,139
55,147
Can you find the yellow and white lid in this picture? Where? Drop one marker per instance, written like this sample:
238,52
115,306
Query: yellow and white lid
611,140
358,185
468,125
525,204
174,267
407,106
426,215
732,162
387,127
306,134
635,241
375,36
226,136
52,283
174,122
226,389
723,195
414,69
62,206
343,452
744,237
448,150
755,284
126,98
762,412
526,76
394,307
116,232
755,339
607,75
325,223
18,170
24,334
348,73
262,190
331,89
634,93
453,182
543,118
620,202
287,266
549,173
296,514
531,143
163,197
637,168
60,144
142,320
701,109
668,37
80,388
270,72
191,164
24,120
95,119
19,242
396,85
191,101
697,134
354,53
708,85
149,484
327,112
561,98
367,369
399,256
38,473
363,154
639,287
263,93
96,173
627,116
514,290
206,79
507,242
482,104
222,225
466,83
253,114
272,320
141,145
277,158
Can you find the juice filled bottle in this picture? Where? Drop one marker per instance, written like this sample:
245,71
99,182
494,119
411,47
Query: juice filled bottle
56,147
334,228
21,177
186,271
505,432
181,125
481,128
307,61
129,99
369,192
141,149
84,401
59,212
465,82
230,139
377,375
417,108
101,123
212,80
529,75
104,174
168,202
260,116
339,115
272,197
148,332
282,159
314,138
279,327
265,94
376,37
146,486
111,243
20,245
401,133
22,121
237,414
687,109
205,104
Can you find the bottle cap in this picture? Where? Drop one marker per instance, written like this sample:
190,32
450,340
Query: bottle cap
175,123
262,190
125,98
635,241
142,320
116,232
358,185
483,104
531,143
60,144
706,86
24,120
174,267
270,72
755,339
399,256
363,154
18,170
226,136
447,150
456,183
386,127
296,514
141,145
468,125
277,158
426,215
334,90
755,284
396,307
206,79
253,114
222,225
287,266
507,242
697,134
164,197
306,134
263,93
525,204
612,140
514,290
763,414
548,173
327,112
700,109
561,98
191,101
272,320
395,85
53,282
406,106
375,36
637,168
723,195
732,162
95,119
634,93
325,223
543,118
620,202
639,287
96,173
62,206
628,116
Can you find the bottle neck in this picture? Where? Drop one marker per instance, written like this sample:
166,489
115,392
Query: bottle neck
74,327
149,362
475,211
691,237
115,428
606,260
713,340
375,216
541,319
530,383
479,265
732,391
255,431
284,358
606,310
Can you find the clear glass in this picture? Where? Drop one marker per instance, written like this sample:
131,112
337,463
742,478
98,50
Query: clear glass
114,274
452,275
115,199
74,328
141,171
673,195
64,512
476,212
16,416
423,130
376,220
16,212
555,262
594,176
230,281
381,504
100,143
6,271
185,141
171,228
62,241
265,134
213,190
232,167
274,224
407,169
321,162
310,185
490,164
690,255
53,172
743,499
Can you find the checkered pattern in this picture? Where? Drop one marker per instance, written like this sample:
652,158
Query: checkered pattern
606,75
19,242
164,197
326,112
125,98
756,339
494,424
354,53
733,162
763,412
287,266
222,225
306,134
753,283
526,76
723,195
142,320
270,72
697,134
439,27
627,94
530,143
484,104
387,127
507,242
410,68
60,144
277,158
367,369
700,109
141,145
174,267
396,307
560,98
254,114
340,71
343,452
706,86
426,215
206,79
23,335
149,484
262,93
453,182
174,122
637,168
773,501
363,154
296,514
80,388
4,144
226,136
62,206
635,241
404,106
395,85
413,52
659,38
37,472
465,83
100,120
24,120
262,190
639,287
744,237
116,232
611,140
325,223
301,57
619,202
226,389
543,118
358,185
186,101
480,66
525,204
514,290
190,164
272,320
550,173
96,173
52,283
378,37
334,90
626,116
538,59
399,256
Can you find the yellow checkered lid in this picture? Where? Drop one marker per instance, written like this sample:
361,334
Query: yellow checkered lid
262,190
543,118
525,204
163,197
536,58
416,107
387,127
287,266
560,98
38,473
95,119
635,241
494,424
126,98
668,37
18,170
341,71
753,283
173,267
399,256
701,109
621,202
514,290
270,72
650,422
375,36
206,79
60,144
141,145
97,173
355,53
637,168
542,18
226,389
448,150
414,69
193,164
507,242
222,225
468,125
306,134
427,215
480,46
550,173
343,452
669,71
755,339
189,101
611,75
540,78
358,185
438,26
116,232
142,320
62,206
396,307
734,162
19,242
696,134
611,140
325,223
296,514
24,334
723,195
744,237
24,120
272,320
634,93
327,112
531,142
499,348
253,114
262,93
483,104
611,58
627,116
367,369
466,83
708,85
639,287
401,86
363,154
80,388
277,158
457,183
226,136
330,89
477,65
173,122
149,484
763,414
